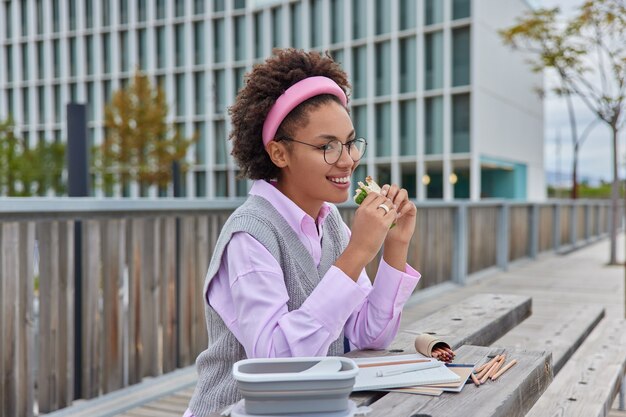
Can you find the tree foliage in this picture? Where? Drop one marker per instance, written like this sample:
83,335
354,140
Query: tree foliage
588,53
139,145
27,171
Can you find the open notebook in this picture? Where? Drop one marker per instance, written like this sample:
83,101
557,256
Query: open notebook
393,367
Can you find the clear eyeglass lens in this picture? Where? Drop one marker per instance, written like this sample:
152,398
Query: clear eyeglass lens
334,148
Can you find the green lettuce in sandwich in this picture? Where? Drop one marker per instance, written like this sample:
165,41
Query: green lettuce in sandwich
365,189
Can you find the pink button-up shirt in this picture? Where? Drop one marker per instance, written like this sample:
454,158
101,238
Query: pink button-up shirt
249,294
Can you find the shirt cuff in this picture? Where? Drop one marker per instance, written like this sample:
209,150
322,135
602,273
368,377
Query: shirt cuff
334,299
393,286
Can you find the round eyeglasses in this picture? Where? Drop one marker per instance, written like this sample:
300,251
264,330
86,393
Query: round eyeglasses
334,148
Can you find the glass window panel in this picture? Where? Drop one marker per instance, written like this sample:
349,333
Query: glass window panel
383,174
359,20
219,89
383,68
71,14
200,128
242,187
106,53
106,12
180,94
221,184
218,5
408,133
200,181
161,9
73,93
8,19
88,9
9,62
277,27
359,119
238,76
25,65
24,17
91,105
141,49
433,71
107,92
337,56
433,11
160,47
461,9
240,4
179,8
383,129
179,42
408,14
41,65
124,59
10,103
89,54
461,123
296,25
408,65
142,11
433,125
41,105
409,180
199,91
240,38
383,17
219,142
218,40
258,35
55,16
58,106
39,8
72,56
198,43
336,21
461,56
56,58
316,23
198,6
123,10
359,71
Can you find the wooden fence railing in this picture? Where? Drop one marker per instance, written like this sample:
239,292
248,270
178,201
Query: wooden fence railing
77,321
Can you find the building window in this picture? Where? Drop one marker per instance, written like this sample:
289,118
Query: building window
123,8
25,65
218,40
106,12
10,108
9,62
433,71
142,11
258,35
433,125
219,89
55,16
57,103
238,77
408,134
88,13
337,56
461,123
408,65
106,53
383,68
383,174
219,143
8,19
71,14
24,17
89,54
359,72
39,6
277,27
41,65
56,58
198,6
383,129
383,17
433,12
198,43
179,45
73,93
240,38
199,91
359,20
408,14
160,9
240,4
296,25
409,180
336,21
359,119
316,19
142,59
25,106
180,94
200,148
107,91
461,9
242,186
461,56
91,105
221,184
218,5
200,181
160,47
179,8
124,58
41,105
72,56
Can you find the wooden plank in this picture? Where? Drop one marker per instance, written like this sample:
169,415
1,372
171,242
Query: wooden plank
92,320
510,396
113,263
48,375
168,292
186,290
545,228
519,232
26,321
203,255
66,313
9,296
135,249
590,380
559,329
482,237
149,321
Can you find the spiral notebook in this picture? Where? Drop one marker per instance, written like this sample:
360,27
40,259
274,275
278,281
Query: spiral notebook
400,371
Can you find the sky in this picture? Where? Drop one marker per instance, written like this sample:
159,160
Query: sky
595,155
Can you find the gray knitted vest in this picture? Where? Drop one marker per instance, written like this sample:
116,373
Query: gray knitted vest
216,386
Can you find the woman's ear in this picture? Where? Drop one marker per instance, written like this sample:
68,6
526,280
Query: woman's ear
278,154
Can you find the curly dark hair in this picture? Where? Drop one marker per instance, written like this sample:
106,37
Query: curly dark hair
262,87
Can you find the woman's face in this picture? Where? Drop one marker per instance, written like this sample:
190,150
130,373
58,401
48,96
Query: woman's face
307,178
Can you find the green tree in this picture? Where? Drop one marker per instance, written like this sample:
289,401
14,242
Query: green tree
26,171
588,53
139,145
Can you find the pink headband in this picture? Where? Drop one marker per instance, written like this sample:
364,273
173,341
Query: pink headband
296,94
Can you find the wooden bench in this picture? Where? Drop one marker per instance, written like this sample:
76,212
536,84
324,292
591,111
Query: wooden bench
589,381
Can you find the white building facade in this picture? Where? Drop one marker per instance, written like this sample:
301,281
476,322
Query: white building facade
447,110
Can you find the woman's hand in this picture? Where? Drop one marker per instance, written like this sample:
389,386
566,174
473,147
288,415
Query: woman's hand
402,232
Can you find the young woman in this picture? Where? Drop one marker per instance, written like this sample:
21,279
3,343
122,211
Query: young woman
287,275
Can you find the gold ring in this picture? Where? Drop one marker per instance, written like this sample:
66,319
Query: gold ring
384,207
